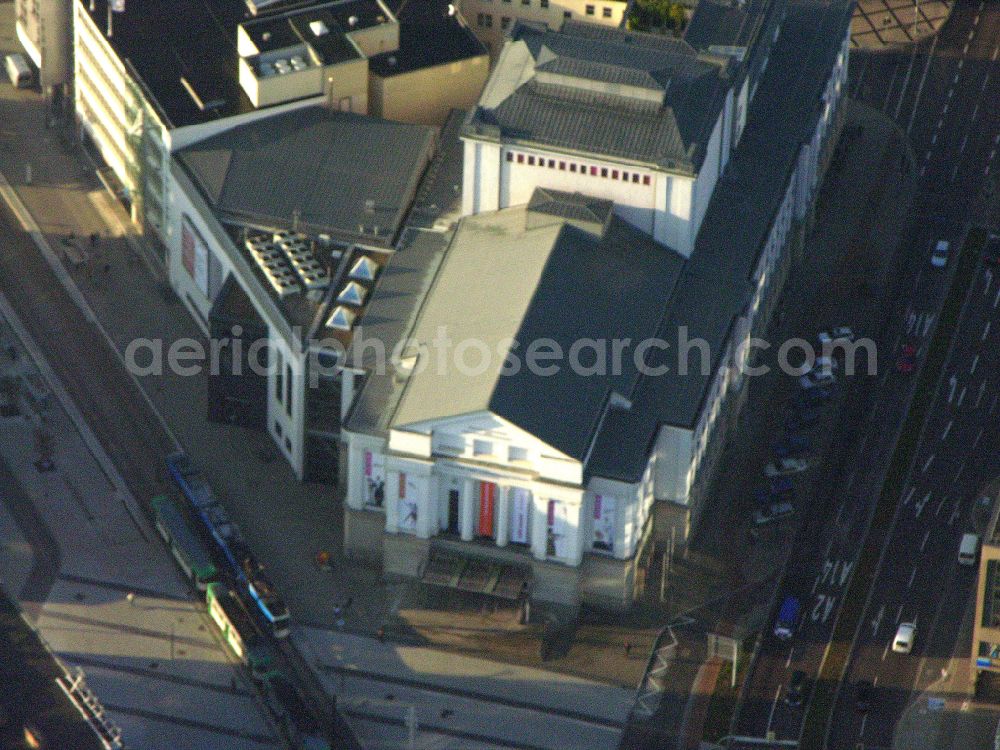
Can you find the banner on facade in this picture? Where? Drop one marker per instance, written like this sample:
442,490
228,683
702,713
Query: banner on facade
604,522
487,507
520,506
558,528
374,479
407,504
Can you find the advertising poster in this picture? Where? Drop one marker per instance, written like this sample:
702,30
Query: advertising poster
487,507
520,506
374,479
407,504
558,530
604,522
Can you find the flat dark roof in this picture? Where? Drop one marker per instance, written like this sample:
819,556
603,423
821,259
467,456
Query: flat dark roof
428,36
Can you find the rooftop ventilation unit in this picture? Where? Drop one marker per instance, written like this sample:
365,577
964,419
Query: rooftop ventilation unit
318,28
364,269
353,294
352,21
341,318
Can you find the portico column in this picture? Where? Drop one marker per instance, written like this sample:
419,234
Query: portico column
503,516
539,525
392,502
466,507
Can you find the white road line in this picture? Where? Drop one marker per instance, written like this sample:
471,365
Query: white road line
920,506
975,111
979,396
961,468
913,574
952,384
978,436
899,615
954,172
961,62
961,396
993,152
996,51
954,514
788,661
972,370
947,104
927,464
934,139
940,506
909,495
922,545
840,512
965,49
947,429
885,652
997,298
774,705
923,170
986,331
864,720
972,33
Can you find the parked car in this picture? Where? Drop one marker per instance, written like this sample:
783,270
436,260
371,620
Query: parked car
802,419
811,396
796,687
788,618
992,252
784,467
791,445
907,360
823,378
906,634
773,512
939,255
838,334
864,693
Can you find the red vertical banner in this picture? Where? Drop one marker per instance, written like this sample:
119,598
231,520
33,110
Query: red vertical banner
487,502
402,485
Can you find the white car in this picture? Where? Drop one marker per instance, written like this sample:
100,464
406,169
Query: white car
838,334
906,634
939,256
784,467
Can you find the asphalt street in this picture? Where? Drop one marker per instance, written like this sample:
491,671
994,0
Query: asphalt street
941,95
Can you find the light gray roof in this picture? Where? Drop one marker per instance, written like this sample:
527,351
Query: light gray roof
334,171
586,89
522,275
715,286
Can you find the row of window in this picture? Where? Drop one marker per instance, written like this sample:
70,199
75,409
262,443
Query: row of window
576,168
590,10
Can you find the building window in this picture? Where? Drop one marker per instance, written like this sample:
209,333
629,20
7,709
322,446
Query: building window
514,453
520,158
288,389
590,10
525,2
646,179
614,174
604,171
567,14
531,161
482,448
288,445
505,22
489,21
593,171
606,12
552,163
279,388
510,156
635,178
479,19
572,167
277,428
625,176
562,166
544,3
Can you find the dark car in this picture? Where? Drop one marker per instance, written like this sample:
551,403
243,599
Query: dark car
863,695
791,445
803,418
796,687
992,252
907,360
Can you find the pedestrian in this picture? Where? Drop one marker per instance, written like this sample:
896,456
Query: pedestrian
130,598
94,238
380,633
628,649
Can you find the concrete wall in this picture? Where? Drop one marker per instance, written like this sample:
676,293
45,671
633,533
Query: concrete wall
427,96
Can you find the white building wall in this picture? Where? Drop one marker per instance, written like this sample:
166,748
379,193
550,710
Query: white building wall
673,451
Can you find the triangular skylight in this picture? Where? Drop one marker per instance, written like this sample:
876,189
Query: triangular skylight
364,269
352,294
341,318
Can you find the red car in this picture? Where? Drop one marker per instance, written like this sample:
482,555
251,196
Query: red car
907,359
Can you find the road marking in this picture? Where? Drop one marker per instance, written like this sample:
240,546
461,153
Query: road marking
927,156
934,139
913,574
947,429
922,545
938,511
885,652
997,298
909,495
877,620
927,465
920,86
996,51
961,396
947,104
979,396
955,79
954,172
864,720
972,33
899,614
986,331
952,384
993,152
875,681
989,277
923,170
774,705
823,608
961,468
976,441
788,661
928,320
972,370
954,514
965,49
975,111
920,506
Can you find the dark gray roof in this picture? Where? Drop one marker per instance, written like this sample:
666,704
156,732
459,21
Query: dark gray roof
526,276
587,89
746,24
315,168
715,286
428,36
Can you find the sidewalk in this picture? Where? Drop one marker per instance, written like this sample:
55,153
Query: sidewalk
71,549
882,24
